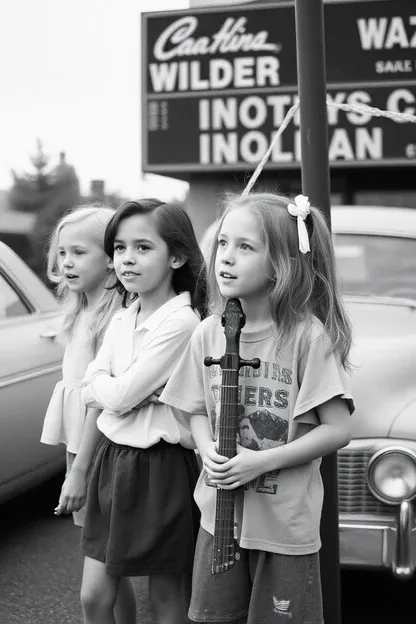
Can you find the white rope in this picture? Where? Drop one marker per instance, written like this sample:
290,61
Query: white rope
374,112
266,156
358,108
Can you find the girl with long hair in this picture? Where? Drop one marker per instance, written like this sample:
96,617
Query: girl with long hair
274,254
83,275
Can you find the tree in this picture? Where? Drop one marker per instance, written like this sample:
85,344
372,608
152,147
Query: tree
49,193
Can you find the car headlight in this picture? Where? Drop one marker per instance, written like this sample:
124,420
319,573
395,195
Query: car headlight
391,475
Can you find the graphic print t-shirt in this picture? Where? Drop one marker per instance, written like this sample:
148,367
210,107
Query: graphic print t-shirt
280,511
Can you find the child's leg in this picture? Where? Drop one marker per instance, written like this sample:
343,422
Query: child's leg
167,595
125,607
98,593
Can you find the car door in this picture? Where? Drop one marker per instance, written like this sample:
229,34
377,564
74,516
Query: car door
30,366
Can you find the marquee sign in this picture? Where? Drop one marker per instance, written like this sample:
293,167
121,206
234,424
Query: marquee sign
217,84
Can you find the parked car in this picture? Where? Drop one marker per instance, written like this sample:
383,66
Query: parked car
30,366
375,249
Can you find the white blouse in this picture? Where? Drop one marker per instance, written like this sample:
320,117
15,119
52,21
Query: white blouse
134,362
65,416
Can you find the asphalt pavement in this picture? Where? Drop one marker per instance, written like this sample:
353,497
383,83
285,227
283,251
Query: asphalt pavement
41,563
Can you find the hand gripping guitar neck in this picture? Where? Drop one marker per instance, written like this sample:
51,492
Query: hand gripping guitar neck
233,319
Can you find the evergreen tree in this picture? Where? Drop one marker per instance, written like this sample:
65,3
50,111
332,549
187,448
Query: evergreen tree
49,193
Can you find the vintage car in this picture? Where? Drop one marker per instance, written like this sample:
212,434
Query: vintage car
30,366
375,249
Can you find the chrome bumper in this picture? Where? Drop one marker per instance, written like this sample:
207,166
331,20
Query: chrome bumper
380,543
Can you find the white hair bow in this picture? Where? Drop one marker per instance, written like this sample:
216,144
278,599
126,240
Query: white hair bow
301,211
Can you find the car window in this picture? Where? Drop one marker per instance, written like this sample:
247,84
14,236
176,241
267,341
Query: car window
376,265
11,303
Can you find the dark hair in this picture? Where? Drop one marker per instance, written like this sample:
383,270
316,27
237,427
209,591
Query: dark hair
175,227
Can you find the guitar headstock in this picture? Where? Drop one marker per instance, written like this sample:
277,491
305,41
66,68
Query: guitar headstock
233,320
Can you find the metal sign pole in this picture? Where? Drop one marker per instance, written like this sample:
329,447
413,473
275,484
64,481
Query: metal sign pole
310,46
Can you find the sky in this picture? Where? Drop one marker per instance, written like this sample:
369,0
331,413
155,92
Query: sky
70,76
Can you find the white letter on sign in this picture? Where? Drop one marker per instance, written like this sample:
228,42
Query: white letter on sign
394,99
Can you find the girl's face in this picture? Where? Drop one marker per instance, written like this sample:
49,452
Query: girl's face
242,268
81,260
141,257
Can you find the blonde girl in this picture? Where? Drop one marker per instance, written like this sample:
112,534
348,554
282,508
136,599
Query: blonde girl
82,272
274,254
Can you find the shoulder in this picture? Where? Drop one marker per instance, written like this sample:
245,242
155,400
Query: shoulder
311,337
310,330
184,318
208,326
123,314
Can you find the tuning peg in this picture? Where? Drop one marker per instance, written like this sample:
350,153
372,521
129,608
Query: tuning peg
210,361
254,363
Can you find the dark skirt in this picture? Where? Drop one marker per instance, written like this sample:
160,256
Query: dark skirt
141,518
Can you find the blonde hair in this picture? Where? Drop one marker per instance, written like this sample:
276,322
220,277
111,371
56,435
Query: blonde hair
304,285
97,217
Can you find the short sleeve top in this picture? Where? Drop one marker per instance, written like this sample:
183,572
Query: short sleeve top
280,511
65,415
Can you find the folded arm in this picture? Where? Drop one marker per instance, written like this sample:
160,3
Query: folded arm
149,372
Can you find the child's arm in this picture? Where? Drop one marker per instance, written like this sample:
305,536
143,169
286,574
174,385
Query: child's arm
331,434
147,374
74,489
203,439
102,362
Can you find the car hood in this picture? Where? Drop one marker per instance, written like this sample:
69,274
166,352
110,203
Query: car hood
383,382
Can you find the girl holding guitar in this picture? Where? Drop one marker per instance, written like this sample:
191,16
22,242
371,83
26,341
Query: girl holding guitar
274,255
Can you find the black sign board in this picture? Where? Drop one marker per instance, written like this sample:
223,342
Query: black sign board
217,84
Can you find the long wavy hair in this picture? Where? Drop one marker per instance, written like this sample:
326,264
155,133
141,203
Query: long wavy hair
175,227
305,285
95,218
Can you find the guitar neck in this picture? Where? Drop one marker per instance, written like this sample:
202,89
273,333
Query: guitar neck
227,431
233,319
227,446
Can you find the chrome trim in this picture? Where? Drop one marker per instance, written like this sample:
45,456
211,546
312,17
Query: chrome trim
374,458
358,525
375,444
403,566
374,546
383,537
381,299
49,334
32,375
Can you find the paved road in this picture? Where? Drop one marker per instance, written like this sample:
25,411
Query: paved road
40,568
40,564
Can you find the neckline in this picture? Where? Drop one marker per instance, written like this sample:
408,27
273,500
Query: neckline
256,335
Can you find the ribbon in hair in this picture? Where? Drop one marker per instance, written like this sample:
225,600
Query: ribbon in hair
300,209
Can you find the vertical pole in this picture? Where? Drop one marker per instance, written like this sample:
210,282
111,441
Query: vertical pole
310,46
310,49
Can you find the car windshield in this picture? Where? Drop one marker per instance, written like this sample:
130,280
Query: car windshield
376,265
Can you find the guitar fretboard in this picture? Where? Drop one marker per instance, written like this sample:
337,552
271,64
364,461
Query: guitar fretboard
224,547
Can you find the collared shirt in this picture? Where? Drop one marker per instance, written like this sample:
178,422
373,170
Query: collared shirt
134,362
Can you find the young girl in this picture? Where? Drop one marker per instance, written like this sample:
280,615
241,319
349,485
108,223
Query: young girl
79,266
276,256
140,515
